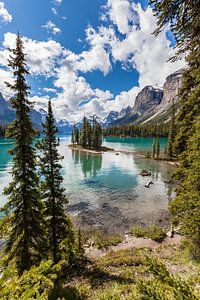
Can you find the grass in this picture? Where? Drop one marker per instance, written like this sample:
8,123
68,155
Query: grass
102,240
154,232
131,274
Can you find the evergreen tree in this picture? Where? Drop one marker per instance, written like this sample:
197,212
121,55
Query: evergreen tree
172,134
154,148
157,148
97,135
185,208
183,17
83,133
89,134
25,240
80,248
51,189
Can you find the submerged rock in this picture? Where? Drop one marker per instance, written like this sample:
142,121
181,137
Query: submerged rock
145,173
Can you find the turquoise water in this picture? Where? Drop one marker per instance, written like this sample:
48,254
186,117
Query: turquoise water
134,143
107,185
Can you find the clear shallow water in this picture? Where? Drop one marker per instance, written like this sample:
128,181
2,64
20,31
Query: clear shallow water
106,190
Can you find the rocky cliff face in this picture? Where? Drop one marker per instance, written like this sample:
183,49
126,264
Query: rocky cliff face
153,104
147,100
171,87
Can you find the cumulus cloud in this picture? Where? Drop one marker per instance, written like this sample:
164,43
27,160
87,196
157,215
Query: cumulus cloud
4,14
144,52
5,76
121,13
51,28
54,11
42,57
94,59
58,2
49,90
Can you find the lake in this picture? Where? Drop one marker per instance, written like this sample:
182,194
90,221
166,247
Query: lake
105,190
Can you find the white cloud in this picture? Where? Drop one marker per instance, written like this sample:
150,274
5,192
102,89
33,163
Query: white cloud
121,13
51,27
94,59
49,90
58,2
42,57
4,14
5,76
54,11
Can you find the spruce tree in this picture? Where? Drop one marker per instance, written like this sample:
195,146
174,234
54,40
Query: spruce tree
154,148
97,135
157,148
25,240
83,133
183,18
172,134
52,191
185,208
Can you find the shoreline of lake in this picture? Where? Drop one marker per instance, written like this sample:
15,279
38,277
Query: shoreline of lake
136,153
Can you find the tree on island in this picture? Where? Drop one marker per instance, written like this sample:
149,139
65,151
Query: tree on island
90,136
57,224
26,237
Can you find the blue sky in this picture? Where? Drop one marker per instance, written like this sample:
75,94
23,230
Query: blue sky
97,52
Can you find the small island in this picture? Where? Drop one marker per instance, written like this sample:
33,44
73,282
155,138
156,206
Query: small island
88,137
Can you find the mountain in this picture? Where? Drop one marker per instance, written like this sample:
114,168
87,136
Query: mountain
64,126
115,116
170,95
152,104
7,115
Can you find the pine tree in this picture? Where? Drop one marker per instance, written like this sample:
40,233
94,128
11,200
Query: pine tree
172,134
51,188
83,133
185,208
154,148
157,148
97,135
89,134
80,248
25,240
183,18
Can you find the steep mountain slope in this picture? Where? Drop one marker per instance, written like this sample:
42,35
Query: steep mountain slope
152,105
7,114
170,95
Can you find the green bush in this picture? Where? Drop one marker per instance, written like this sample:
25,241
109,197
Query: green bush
101,239
153,232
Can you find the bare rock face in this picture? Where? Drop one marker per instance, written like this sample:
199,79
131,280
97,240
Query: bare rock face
147,100
171,88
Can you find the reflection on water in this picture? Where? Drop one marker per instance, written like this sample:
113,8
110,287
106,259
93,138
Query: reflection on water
90,164
107,188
